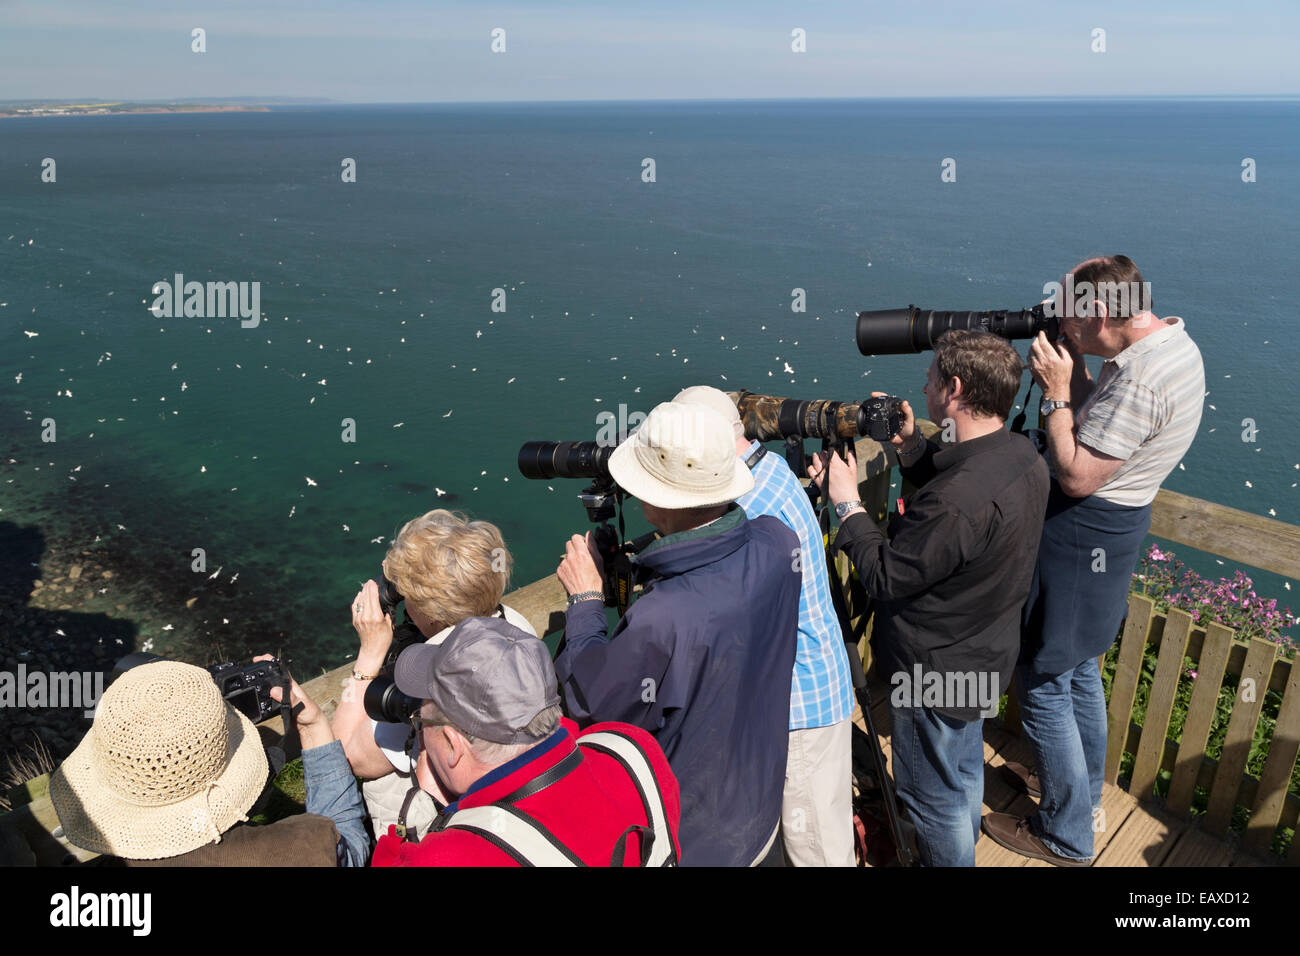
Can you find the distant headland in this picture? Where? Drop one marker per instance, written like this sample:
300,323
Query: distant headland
13,108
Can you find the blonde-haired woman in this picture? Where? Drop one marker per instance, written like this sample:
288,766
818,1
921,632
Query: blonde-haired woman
446,568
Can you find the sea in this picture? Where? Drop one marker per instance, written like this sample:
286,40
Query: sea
508,272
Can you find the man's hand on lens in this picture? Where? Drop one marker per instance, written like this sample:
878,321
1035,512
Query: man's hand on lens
579,571
374,627
1052,365
843,474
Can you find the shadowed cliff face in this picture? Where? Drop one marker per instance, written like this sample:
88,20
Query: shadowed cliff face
46,641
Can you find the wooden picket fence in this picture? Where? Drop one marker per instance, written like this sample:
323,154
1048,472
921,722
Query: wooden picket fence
1213,652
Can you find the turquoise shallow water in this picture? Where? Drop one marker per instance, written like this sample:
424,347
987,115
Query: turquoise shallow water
197,433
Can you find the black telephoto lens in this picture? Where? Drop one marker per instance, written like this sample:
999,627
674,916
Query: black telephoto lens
901,331
565,459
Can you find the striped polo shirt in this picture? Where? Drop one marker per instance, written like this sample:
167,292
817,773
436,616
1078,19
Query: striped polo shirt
1145,410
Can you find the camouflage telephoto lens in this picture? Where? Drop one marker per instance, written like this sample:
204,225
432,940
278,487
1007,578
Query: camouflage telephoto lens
903,331
541,460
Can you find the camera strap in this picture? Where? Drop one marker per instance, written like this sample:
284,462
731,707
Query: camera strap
1018,423
794,457
289,746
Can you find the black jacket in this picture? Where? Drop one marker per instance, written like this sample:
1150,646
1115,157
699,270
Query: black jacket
953,576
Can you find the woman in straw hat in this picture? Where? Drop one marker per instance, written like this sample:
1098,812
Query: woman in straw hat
169,771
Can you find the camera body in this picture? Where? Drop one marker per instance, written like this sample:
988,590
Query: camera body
247,687
881,417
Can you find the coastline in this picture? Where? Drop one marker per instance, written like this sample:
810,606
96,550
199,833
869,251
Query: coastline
100,110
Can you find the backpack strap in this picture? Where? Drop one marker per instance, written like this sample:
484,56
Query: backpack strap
633,759
521,837
620,846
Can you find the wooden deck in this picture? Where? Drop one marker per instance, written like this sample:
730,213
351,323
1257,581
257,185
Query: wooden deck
1135,834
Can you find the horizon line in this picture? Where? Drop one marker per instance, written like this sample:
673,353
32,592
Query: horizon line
271,100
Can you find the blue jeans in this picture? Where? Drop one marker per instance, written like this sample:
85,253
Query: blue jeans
939,776
1064,720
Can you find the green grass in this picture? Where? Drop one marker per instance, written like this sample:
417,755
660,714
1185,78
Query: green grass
286,797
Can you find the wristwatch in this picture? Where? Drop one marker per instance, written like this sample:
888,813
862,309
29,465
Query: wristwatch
844,507
1049,405
585,596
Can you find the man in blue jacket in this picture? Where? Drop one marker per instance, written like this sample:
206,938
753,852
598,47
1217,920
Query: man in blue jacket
703,659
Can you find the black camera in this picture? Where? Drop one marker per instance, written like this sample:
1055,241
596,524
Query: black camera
386,704
900,331
246,687
389,597
404,634
602,500
881,417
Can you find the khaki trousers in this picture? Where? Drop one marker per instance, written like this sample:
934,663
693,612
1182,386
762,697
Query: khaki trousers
817,805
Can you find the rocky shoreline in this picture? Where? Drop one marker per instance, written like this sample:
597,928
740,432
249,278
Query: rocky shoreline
67,608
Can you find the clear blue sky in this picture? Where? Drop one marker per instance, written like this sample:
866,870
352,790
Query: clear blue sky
402,51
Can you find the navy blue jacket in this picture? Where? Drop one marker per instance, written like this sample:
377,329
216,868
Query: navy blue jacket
702,661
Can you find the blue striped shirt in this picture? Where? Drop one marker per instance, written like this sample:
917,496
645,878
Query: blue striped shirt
822,690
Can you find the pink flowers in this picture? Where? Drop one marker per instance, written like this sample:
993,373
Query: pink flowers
1230,602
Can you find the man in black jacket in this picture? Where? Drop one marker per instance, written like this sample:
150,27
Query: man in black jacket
950,582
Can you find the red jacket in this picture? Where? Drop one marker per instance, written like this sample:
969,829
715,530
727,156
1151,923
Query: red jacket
587,810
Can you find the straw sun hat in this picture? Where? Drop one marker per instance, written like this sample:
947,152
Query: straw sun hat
682,456
167,767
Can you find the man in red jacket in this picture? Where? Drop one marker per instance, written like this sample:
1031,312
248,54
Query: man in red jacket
526,787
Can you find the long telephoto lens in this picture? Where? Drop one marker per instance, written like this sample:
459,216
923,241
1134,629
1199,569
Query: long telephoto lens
565,459
770,418
901,331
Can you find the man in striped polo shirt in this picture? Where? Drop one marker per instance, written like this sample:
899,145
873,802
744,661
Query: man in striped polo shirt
1112,442
817,803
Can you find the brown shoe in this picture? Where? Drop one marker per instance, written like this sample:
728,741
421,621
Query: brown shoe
1022,779
1013,833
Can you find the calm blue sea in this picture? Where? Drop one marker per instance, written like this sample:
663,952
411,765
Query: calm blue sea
175,433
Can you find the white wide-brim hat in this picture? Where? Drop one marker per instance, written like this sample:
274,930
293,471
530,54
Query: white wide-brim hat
167,767
682,456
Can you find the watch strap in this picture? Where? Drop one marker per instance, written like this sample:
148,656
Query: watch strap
585,596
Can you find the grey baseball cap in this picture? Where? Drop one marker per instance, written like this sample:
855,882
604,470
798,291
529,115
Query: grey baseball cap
489,678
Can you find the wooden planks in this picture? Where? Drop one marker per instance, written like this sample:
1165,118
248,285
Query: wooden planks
1249,539
1241,729
1200,717
1160,704
1145,839
1197,848
1123,689
1275,779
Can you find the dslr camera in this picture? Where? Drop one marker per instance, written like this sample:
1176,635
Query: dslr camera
383,701
246,687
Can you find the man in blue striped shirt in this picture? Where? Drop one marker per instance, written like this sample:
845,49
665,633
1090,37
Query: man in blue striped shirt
817,803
